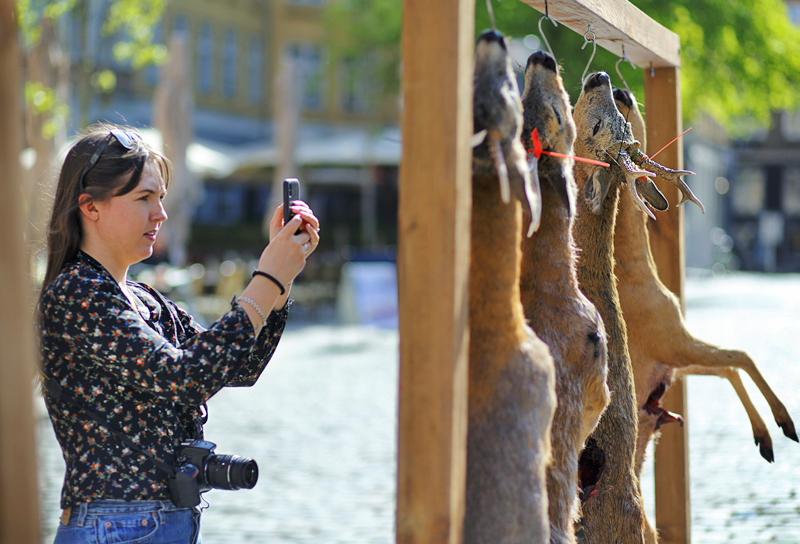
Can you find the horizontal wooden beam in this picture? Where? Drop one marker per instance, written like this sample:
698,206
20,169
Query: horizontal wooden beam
616,23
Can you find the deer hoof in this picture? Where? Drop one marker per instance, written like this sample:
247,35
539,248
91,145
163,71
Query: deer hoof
765,448
788,430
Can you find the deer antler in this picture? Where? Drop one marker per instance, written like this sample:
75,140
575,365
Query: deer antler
632,174
675,177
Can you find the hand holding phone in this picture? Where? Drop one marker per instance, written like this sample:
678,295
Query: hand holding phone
291,192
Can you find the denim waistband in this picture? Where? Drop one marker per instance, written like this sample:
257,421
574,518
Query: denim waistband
91,510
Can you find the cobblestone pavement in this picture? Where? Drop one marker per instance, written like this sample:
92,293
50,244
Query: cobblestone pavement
322,424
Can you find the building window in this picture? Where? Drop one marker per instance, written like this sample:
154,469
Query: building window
354,85
255,71
222,204
790,125
151,72
791,190
180,26
749,190
205,44
229,64
309,67
86,39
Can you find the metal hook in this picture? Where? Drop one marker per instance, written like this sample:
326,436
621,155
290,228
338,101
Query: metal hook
594,50
541,32
491,14
623,57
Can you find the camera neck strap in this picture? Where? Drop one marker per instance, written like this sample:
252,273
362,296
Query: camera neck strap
55,391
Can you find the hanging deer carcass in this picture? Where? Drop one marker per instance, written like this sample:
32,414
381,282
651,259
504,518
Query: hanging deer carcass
511,374
661,348
612,505
557,310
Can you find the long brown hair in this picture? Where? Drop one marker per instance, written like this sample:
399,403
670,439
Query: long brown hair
104,180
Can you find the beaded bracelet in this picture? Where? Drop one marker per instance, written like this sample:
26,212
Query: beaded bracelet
252,303
273,278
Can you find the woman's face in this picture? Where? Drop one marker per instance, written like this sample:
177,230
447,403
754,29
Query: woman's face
128,224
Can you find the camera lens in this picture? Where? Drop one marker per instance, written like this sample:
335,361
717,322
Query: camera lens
231,472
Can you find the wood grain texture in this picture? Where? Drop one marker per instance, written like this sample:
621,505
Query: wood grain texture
19,507
617,23
433,265
663,117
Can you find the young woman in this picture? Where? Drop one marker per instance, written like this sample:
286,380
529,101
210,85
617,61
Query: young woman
125,370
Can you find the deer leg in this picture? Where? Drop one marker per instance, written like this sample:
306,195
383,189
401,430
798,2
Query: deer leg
706,357
760,433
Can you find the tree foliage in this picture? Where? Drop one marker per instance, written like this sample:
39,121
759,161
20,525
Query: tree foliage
368,29
740,58
132,23
133,20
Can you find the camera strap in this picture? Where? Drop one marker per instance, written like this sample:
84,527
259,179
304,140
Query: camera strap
55,391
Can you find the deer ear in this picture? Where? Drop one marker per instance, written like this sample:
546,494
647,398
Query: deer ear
597,189
564,185
650,193
527,189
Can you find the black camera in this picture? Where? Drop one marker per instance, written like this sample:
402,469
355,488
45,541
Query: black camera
200,470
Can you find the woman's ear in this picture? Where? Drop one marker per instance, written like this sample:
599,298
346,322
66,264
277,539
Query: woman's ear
88,208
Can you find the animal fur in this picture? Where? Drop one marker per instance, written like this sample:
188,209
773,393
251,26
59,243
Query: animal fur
661,347
612,505
511,375
554,305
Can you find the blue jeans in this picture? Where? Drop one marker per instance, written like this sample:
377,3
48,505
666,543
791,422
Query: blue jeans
135,522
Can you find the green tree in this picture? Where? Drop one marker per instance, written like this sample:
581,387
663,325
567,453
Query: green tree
131,22
740,58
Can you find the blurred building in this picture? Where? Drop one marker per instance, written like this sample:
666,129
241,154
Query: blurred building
765,198
707,152
751,192
348,143
763,211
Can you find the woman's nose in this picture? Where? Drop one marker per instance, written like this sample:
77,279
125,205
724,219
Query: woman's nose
160,213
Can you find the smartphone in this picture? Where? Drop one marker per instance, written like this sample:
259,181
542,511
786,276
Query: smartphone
291,192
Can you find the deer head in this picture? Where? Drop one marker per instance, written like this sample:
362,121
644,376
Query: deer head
547,109
497,123
627,105
603,134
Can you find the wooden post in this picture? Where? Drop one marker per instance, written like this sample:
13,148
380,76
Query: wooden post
433,263
19,508
663,117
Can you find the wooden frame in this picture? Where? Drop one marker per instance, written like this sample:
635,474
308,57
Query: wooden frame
433,256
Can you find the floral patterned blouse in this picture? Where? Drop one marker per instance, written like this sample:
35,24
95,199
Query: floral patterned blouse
145,370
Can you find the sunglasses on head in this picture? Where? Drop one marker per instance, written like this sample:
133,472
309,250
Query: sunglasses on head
126,139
